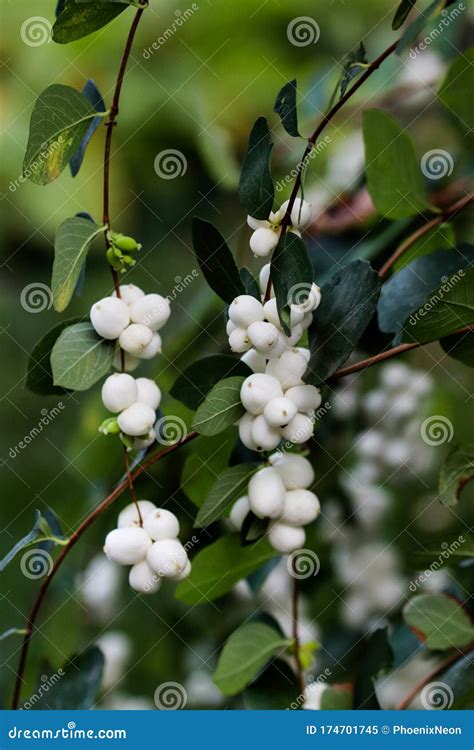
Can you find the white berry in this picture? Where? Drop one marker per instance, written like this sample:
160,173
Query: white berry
239,511
254,360
299,430
245,310
257,223
127,546
143,579
152,310
257,390
130,363
129,293
167,557
263,336
288,368
264,277
184,573
245,431
161,524
286,538
263,241
266,493
139,444
153,348
296,471
239,341
129,515
265,437
119,391
137,420
300,508
110,316
135,338
304,397
279,411
148,392
300,213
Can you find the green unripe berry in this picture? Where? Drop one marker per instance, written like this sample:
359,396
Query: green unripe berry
109,426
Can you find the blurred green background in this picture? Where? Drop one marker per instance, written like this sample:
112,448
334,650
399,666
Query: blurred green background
199,94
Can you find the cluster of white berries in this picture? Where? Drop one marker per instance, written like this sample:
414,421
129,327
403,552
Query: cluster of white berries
280,492
135,400
267,231
152,549
133,319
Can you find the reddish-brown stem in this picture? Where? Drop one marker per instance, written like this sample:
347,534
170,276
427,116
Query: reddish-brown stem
446,214
296,637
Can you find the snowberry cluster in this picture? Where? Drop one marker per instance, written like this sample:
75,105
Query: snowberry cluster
149,543
135,400
133,319
267,231
280,493
278,404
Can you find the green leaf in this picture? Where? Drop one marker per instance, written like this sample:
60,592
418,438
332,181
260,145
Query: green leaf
402,13
39,375
80,357
203,466
250,283
408,289
447,308
353,66
275,689
253,528
71,245
460,346
439,621
376,657
460,678
77,685
416,27
193,385
256,189
292,275
41,532
245,654
229,486
221,407
348,302
456,90
60,119
80,19
455,473
394,176
439,238
336,698
217,568
285,107
216,261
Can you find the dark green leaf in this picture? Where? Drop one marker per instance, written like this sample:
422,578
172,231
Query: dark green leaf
221,407
336,698
439,621
40,533
292,276
77,685
39,375
80,19
80,357
193,385
460,678
250,283
216,261
457,88
460,346
439,238
348,302
417,26
93,95
285,107
403,11
217,568
353,66
229,486
256,187
275,689
208,461
253,528
245,654
73,239
394,176
455,473
59,121
377,657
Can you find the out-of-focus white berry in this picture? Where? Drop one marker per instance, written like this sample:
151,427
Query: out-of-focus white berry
254,360
299,430
311,303
167,557
395,376
130,363
129,515
229,327
135,338
265,437
295,335
370,444
137,420
266,493
110,316
119,391
161,524
99,587
263,241
307,320
397,452
116,648
263,336
305,352
375,403
148,392
239,511
279,411
286,538
296,471
245,310
129,293
127,546
300,213
300,508
239,341
257,390
245,431
143,579
313,695
304,397
152,310
139,444
153,348
257,223
288,368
